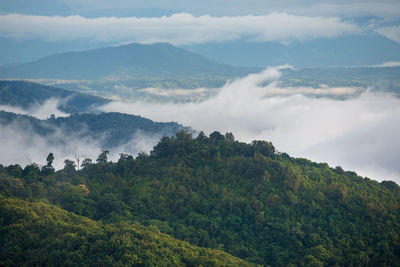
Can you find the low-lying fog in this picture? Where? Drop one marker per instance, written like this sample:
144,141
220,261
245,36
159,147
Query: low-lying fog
359,133
350,127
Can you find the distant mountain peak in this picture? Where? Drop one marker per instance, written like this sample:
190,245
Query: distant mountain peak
128,59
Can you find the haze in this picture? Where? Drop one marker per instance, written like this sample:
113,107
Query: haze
350,126
359,133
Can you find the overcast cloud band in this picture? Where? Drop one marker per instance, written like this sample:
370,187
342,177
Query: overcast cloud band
182,28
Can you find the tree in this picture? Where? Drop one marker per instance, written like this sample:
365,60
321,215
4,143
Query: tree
103,156
48,168
69,165
69,168
263,147
32,169
14,170
216,136
202,138
229,137
50,159
124,157
183,135
86,162
163,148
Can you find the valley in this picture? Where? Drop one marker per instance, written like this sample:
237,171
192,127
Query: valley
218,133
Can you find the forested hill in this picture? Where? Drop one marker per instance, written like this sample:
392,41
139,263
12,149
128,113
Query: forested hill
159,59
26,94
39,234
109,129
246,199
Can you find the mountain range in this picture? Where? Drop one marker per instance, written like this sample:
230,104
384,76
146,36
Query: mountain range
347,50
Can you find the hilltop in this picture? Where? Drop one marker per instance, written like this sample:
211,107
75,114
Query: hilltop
247,199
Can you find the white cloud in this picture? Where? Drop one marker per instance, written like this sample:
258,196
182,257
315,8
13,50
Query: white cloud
383,8
388,10
39,111
182,28
22,145
322,90
359,133
392,32
388,64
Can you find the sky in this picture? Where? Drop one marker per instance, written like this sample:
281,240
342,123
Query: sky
94,8
187,22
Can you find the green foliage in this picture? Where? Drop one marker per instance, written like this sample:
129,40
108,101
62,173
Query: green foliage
38,234
103,156
48,168
246,199
50,159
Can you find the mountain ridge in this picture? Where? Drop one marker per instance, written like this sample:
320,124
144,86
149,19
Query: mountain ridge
359,50
26,94
125,60
111,128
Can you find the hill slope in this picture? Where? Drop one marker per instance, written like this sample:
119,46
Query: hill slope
39,234
26,94
110,129
247,199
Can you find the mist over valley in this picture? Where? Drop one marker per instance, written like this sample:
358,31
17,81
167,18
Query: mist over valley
200,134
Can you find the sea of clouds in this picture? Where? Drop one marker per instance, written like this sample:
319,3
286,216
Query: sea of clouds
359,132
351,127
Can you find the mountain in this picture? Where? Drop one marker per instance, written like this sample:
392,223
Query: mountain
246,199
158,60
25,94
384,79
109,129
39,234
348,50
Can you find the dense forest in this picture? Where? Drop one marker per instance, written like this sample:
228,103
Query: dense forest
41,234
248,200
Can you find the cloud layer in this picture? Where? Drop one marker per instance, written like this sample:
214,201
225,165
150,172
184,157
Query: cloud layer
181,28
392,32
387,9
40,111
351,127
359,133
22,145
